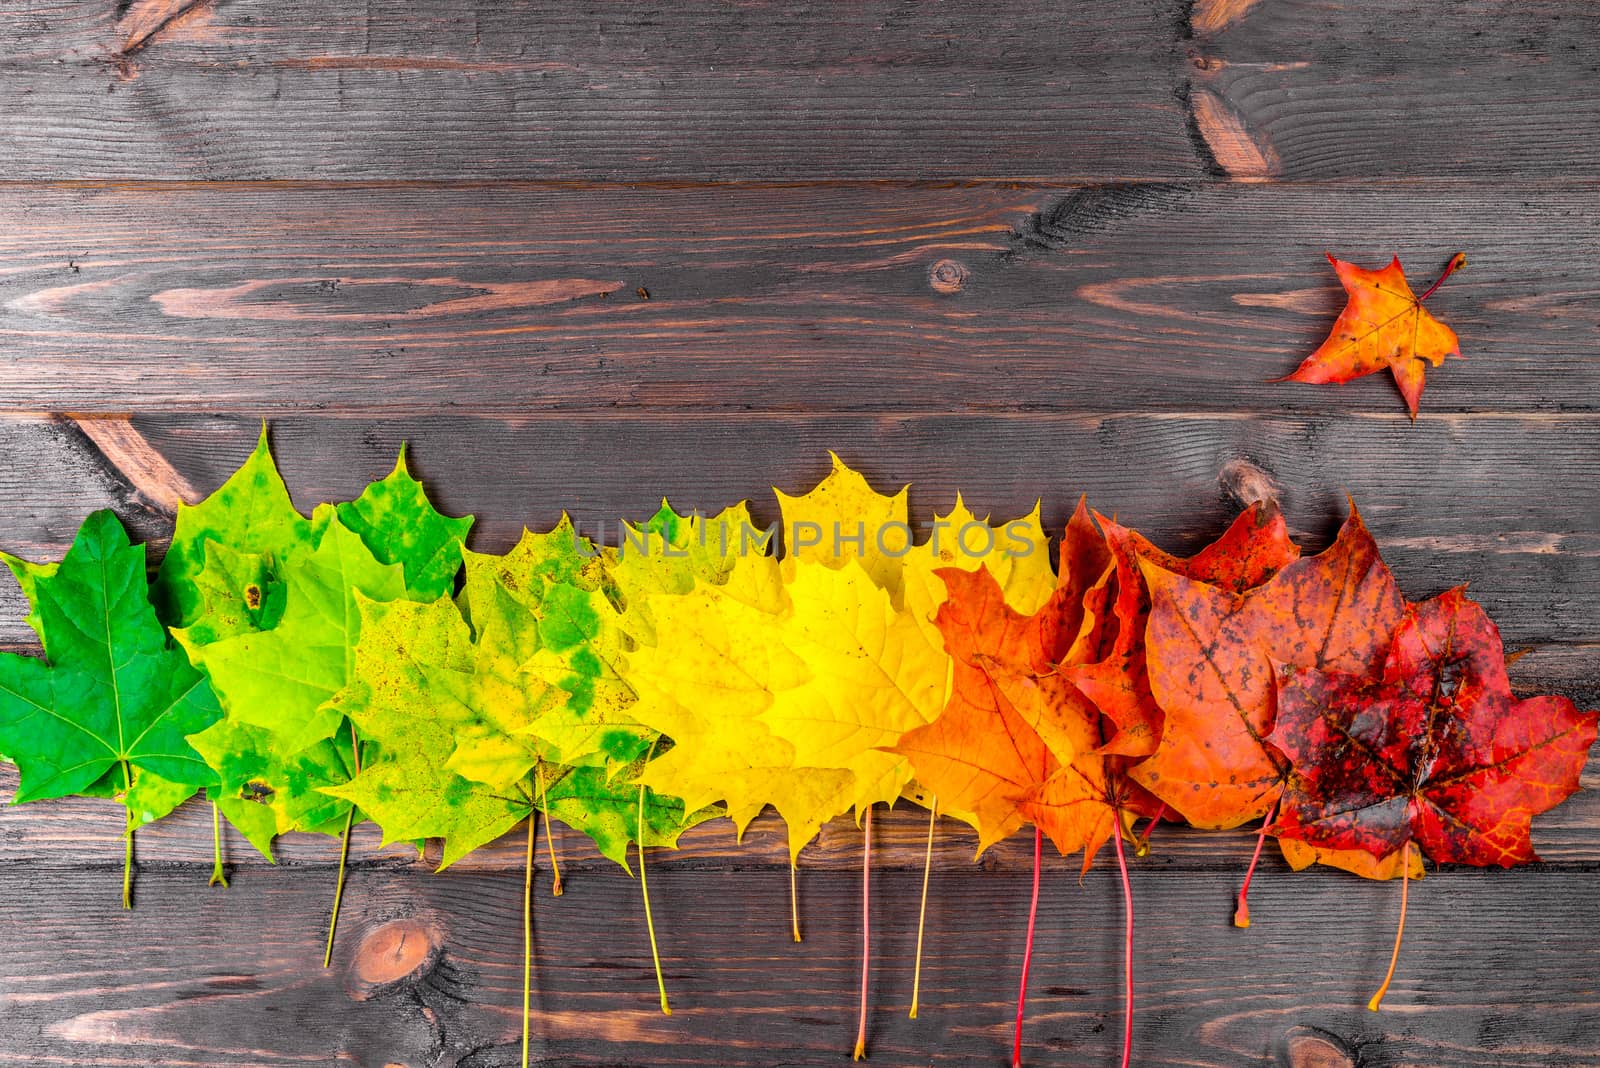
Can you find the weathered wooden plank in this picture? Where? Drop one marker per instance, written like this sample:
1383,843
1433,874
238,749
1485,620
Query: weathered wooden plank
1118,298
428,970
1505,503
602,92
1319,89
700,91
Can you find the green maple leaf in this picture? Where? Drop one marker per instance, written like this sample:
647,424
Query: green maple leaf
252,514
410,688
282,679
264,791
111,693
400,525
107,712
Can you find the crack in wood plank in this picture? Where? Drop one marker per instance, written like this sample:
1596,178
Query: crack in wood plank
1235,149
137,461
145,20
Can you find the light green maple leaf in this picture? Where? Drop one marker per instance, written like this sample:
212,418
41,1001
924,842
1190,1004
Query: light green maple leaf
281,679
150,798
240,559
251,513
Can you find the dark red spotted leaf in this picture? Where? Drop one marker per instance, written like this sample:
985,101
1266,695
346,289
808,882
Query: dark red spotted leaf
1211,653
1433,749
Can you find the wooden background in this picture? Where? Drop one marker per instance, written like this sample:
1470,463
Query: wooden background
581,254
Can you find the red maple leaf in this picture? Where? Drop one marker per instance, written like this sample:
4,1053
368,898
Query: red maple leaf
1433,749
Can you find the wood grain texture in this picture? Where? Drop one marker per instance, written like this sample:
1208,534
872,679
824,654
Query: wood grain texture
782,91
1114,298
584,254
1449,503
1209,996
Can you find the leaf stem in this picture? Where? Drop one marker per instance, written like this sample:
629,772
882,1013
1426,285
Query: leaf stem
1458,261
549,837
344,851
650,923
922,913
1127,953
527,933
866,933
1394,958
1027,953
218,876
794,900
127,838
1241,912
1141,845
338,888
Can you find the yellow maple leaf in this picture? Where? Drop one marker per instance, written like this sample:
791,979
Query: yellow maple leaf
843,518
873,674
716,665
1016,553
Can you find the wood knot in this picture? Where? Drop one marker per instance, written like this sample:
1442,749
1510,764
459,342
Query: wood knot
1311,1047
394,951
1247,483
947,276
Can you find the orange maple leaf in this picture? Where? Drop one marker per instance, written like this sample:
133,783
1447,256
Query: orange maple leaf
1383,325
1254,549
983,754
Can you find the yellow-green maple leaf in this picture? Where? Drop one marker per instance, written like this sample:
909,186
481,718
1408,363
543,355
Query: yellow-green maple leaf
410,689
669,553
549,641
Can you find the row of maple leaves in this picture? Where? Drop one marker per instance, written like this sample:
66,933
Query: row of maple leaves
328,669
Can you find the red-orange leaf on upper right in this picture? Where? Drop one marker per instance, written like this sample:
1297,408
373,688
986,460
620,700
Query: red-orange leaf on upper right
1383,325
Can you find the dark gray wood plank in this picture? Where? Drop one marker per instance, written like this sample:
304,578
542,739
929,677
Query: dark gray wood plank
701,91
695,92
1506,503
510,298
428,970
1323,88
